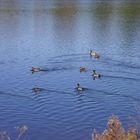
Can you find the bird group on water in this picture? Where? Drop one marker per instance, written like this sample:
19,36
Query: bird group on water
78,88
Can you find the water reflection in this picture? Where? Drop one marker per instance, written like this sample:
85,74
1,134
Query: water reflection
129,23
9,24
64,28
103,15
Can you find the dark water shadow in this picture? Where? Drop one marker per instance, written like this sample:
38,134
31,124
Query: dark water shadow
110,61
112,93
88,91
54,69
15,95
2,63
68,55
119,72
103,59
120,77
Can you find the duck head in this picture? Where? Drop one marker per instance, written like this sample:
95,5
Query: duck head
78,85
90,51
94,71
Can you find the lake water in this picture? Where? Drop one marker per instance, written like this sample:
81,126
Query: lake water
57,38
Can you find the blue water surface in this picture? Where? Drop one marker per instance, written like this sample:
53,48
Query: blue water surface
57,38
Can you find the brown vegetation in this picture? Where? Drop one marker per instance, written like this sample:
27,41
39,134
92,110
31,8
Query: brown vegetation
115,131
21,131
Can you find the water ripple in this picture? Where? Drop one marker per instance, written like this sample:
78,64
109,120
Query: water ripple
15,95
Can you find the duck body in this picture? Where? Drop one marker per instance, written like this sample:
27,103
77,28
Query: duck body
94,54
83,69
36,89
35,69
96,75
79,88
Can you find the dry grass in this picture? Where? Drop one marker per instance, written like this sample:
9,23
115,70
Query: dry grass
21,131
115,131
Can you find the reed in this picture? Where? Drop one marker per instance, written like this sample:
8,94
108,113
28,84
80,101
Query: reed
21,131
115,131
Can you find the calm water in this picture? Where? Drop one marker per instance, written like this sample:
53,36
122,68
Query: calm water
58,40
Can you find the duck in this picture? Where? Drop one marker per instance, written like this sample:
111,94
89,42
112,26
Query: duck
35,69
36,89
94,54
83,69
96,75
79,88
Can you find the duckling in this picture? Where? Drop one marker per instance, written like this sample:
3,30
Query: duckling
79,88
83,69
94,54
35,69
36,89
96,75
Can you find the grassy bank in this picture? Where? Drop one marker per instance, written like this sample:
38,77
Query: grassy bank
115,131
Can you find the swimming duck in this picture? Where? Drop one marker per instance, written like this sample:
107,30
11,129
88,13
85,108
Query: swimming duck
35,69
94,54
96,75
83,69
79,88
36,89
